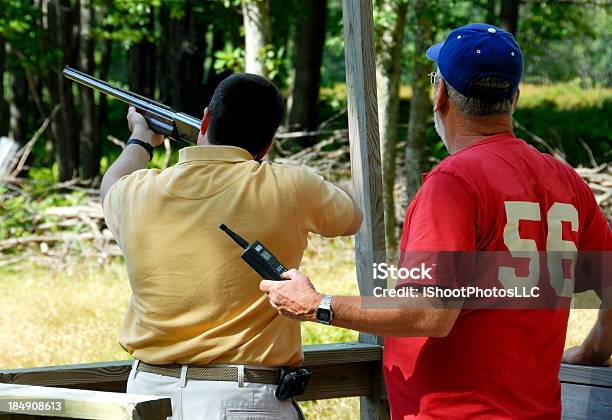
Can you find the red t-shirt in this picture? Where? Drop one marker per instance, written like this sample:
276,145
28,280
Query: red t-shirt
494,363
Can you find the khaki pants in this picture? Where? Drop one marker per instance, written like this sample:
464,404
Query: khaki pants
199,400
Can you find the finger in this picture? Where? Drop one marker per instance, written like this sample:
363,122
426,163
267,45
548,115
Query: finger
291,274
131,109
266,285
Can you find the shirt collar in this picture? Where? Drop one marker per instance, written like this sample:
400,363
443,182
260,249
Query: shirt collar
213,153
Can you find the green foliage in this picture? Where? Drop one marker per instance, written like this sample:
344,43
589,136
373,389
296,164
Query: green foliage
127,21
275,61
20,26
230,58
565,116
23,214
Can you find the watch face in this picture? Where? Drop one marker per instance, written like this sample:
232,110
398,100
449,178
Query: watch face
323,314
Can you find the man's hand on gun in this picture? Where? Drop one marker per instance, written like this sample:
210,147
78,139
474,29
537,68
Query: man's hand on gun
295,297
140,129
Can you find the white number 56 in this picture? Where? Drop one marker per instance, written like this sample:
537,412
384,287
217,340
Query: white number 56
558,249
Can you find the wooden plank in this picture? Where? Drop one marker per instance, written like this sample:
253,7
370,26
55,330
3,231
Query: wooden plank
339,381
82,404
585,402
365,165
325,354
586,375
104,376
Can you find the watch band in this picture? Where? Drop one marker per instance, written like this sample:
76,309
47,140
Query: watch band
144,145
325,305
326,302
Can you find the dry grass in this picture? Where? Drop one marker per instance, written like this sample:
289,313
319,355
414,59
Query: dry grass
72,316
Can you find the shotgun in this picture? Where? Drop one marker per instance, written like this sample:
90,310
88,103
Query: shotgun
161,118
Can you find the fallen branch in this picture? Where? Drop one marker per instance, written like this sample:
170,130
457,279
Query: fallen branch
25,150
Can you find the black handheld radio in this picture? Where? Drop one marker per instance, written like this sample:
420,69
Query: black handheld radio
293,381
258,257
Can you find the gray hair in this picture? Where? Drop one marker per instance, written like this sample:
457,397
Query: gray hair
475,108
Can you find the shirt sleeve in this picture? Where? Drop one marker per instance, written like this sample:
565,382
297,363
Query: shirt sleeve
323,207
111,207
440,231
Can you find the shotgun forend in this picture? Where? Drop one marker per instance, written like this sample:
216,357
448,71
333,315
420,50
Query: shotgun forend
161,118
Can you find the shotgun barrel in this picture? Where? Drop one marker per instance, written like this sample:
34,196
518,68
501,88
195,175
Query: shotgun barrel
161,118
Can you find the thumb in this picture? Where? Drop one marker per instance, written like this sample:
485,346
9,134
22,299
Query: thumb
291,274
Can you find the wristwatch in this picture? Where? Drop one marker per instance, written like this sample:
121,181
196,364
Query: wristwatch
144,145
324,312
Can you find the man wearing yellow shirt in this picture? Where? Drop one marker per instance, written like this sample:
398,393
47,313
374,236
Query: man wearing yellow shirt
199,328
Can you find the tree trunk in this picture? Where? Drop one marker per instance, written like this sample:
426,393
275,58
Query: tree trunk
59,22
420,104
388,72
183,50
191,64
170,93
3,120
3,126
257,35
492,12
89,144
18,109
309,40
508,15
106,49
141,63
213,77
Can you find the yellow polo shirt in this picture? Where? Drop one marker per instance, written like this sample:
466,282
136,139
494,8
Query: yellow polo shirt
194,300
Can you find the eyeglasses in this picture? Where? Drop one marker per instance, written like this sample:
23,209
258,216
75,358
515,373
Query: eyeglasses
433,77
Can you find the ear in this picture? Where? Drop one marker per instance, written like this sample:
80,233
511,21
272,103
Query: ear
441,97
516,98
264,152
205,121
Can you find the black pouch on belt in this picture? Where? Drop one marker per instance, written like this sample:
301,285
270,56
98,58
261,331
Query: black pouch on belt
292,383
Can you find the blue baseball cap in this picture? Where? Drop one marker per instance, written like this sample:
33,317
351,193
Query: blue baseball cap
476,51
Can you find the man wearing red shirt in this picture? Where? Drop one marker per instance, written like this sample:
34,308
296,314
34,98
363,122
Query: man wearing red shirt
495,195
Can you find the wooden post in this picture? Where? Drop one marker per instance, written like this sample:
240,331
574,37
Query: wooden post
365,164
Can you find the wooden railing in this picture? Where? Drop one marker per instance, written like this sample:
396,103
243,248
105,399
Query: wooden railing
339,370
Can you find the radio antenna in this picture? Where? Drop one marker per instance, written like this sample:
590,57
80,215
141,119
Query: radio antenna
240,241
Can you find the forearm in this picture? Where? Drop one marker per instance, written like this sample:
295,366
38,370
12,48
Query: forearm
133,158
406,317
597,347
